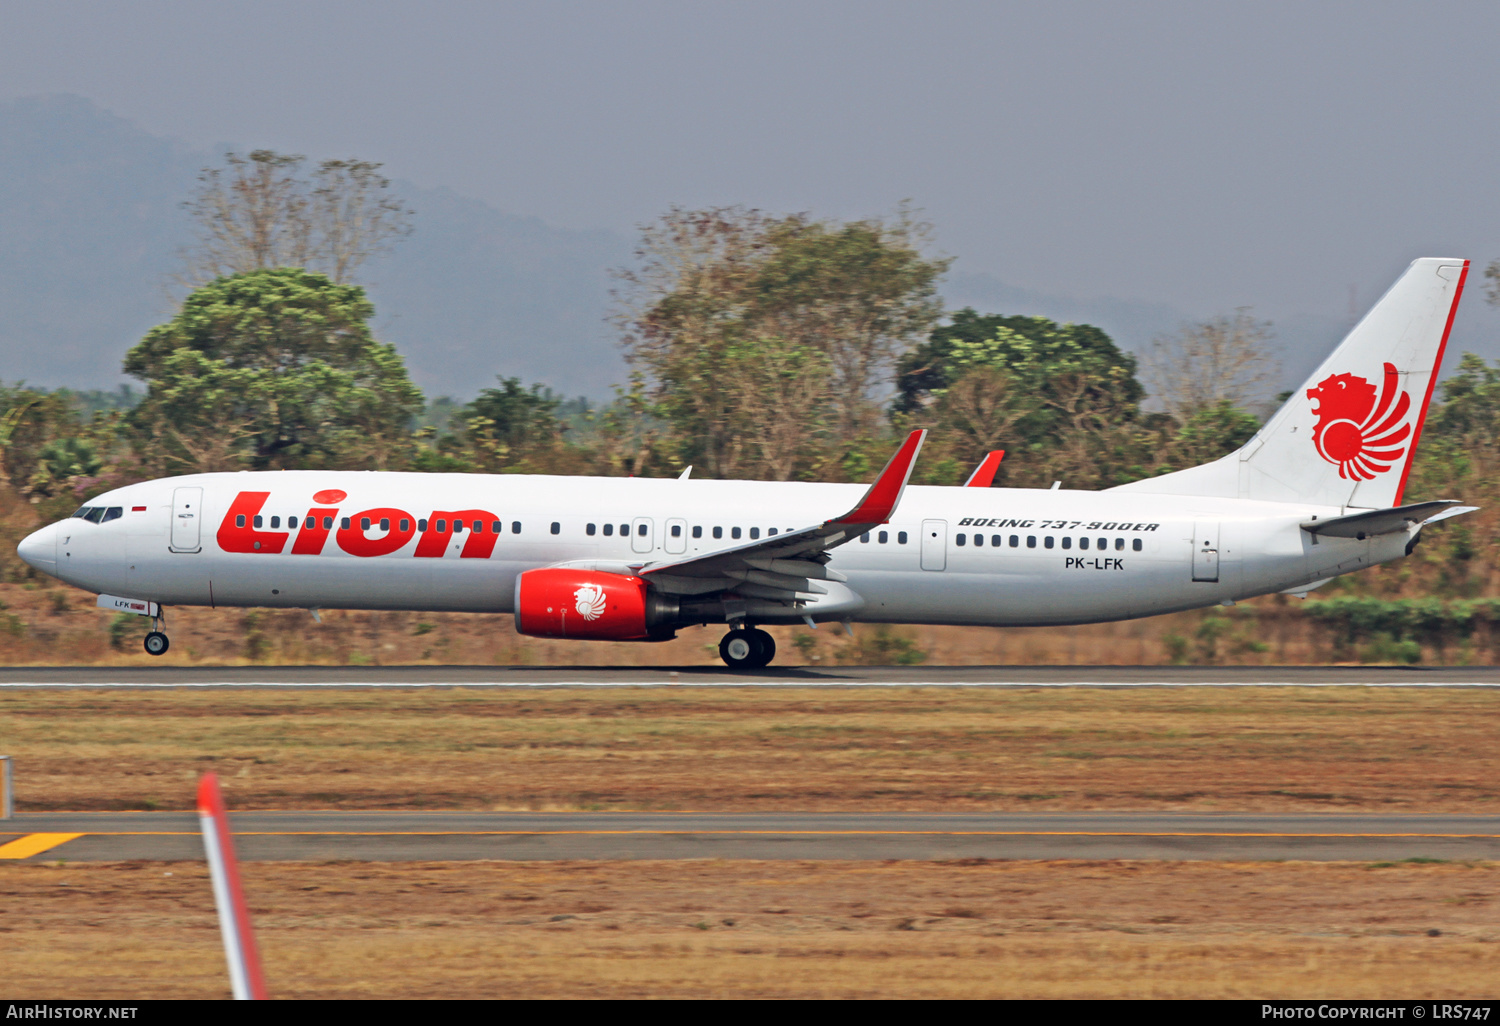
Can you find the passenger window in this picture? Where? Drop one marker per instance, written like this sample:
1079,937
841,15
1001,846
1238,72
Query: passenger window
477,526
958,540
385,523
979,539
734,532
556,527
364,523
1103,544
589,530
1135,543
1047,542
239,521
641,530
1031,541
995,540
292,522
676,531
609,530
275,521
344,523
259,521
515,527
1083,543
1067,543
405,525
698,531
458,527
624,530
718,532
884,537
422,525
496,527
900,537
771,532
865,538
328,523
754,533
1119,544
1015,541
442,527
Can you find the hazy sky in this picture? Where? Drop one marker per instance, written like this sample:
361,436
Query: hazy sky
1206,155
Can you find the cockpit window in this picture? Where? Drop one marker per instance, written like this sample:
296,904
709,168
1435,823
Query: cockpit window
95,515
83,512
113,513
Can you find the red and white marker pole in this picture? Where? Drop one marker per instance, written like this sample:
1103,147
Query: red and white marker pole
234,920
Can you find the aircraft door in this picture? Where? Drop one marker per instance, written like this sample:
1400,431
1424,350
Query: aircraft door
1206,550
934,544
676,539
641,534
187,519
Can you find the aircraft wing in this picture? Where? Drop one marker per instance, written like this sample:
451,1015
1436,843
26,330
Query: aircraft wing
779,567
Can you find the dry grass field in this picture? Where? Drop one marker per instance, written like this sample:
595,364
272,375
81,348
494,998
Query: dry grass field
715,748
763,929
769,929
53,625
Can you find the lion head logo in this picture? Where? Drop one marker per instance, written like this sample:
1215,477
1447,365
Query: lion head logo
589,601
1355,432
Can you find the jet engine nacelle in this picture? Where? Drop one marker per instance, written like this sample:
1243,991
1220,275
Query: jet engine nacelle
557,602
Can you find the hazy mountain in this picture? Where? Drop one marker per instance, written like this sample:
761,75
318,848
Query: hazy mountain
91,225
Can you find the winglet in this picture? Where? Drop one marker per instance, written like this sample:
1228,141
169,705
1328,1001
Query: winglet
880,501
984,474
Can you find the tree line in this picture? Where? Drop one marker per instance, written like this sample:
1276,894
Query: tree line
781,347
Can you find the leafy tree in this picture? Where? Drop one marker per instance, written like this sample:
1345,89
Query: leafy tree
273,369
514,414
259,212
1060,376
824,307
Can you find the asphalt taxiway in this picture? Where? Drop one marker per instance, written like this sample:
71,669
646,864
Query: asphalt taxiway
459,836
802,676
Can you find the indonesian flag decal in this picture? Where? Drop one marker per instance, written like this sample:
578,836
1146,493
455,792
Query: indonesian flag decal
1362,437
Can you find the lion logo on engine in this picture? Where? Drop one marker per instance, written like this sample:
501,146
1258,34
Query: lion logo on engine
589,601
1360,436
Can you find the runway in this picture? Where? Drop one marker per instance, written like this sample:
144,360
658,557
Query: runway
800,676
462,836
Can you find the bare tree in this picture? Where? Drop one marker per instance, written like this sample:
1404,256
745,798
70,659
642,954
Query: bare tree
259,211
1222,360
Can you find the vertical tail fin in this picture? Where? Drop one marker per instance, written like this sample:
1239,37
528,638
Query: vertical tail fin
1347,436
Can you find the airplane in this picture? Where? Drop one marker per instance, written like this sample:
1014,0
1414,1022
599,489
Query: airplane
1315,494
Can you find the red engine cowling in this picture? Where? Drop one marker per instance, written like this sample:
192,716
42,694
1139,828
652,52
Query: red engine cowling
561,603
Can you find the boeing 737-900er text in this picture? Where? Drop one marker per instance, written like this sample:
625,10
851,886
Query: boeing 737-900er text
1315,494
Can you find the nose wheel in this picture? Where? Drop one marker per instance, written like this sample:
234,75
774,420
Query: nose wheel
747,649
157,642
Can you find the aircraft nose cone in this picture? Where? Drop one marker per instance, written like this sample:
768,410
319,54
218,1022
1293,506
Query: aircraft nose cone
39,549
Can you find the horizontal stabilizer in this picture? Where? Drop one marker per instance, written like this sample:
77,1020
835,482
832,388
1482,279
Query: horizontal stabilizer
1386,521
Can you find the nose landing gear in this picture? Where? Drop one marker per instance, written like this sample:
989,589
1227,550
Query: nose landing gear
748,648
157,642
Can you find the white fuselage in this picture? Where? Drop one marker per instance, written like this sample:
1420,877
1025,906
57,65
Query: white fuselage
1076,557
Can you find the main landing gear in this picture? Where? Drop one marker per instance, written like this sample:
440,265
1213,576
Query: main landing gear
747,648
157,642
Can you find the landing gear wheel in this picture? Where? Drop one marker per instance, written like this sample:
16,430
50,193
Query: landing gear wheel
747,649
157,643
767,647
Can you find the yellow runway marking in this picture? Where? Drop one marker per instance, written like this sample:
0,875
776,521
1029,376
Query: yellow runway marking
761,833
33,844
